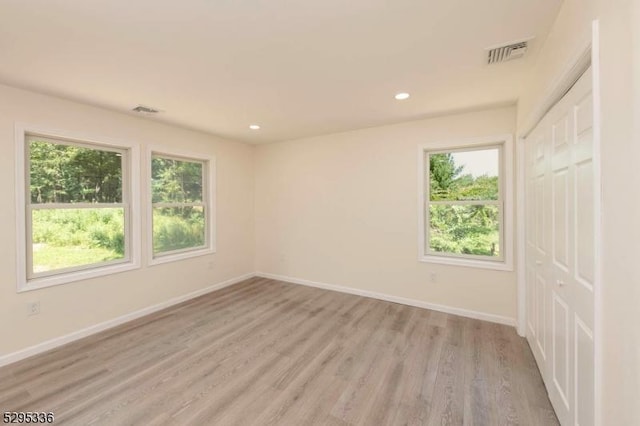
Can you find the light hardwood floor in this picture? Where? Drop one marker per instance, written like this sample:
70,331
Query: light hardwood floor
264,352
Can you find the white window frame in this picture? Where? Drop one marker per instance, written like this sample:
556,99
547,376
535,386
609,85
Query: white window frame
26,279
209,203
505,143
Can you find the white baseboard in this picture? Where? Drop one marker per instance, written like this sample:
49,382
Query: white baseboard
62,340
76,335
395,299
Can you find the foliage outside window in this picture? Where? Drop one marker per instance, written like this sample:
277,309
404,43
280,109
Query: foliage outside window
464,203
179,205
76,206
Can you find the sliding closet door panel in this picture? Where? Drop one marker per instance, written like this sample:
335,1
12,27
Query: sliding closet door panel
541,314
561,218
537,244
584,224
583,279
584,384
560,251
559,274
561,349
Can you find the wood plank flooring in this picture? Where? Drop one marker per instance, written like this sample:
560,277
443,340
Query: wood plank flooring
264,352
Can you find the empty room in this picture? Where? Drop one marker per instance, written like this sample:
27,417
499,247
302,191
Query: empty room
365,212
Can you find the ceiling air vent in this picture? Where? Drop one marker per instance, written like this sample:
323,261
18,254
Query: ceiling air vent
145,110
507,53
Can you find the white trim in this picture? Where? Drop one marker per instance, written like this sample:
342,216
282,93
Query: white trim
76,335
461,144
132,229
466,262
76,206
597,176
171,205
82,139
21,226
521,237
506,180
559,87
499,319
77,275
209,202
187,254
496,203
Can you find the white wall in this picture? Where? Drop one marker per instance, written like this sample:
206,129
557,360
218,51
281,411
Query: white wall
620,85
342,209
71,307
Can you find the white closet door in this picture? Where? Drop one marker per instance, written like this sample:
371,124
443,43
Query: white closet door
537,250
583,278
560,228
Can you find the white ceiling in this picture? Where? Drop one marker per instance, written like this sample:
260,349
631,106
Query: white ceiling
296,67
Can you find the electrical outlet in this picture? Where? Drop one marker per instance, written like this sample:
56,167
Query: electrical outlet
434,277
33,308
211,264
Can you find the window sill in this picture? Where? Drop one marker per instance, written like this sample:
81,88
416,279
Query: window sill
69,277
469,263
180,256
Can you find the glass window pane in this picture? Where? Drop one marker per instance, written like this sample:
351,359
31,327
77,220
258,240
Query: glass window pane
176,228
62,173
467,230
465,175
176,181
64,238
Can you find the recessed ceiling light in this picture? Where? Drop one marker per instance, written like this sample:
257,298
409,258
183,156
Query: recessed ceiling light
254,127
402,96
